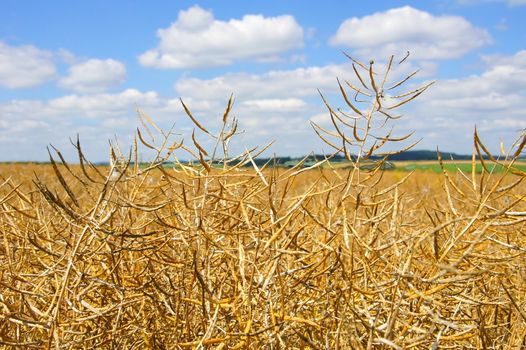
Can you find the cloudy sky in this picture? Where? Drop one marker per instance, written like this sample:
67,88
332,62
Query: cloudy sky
84,67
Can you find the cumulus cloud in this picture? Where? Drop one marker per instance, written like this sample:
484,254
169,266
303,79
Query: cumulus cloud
25,66
293,83
299,82
276,104
494,100
102,105
504,79
77,108
407,29
197,39
517,60
96,117
94,75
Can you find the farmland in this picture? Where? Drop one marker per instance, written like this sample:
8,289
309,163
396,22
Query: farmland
244,258
452,166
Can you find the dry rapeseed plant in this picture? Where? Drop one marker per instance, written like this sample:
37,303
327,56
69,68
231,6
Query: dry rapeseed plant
213,255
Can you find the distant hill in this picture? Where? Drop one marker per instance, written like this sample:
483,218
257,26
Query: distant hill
411,155
427,155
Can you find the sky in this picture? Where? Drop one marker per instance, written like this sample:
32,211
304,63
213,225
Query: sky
85,68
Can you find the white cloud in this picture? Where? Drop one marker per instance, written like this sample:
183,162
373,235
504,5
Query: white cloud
516,2
114,123
101,105
504,77
291,83
507,123
94,75
29,125
289,104
281,84
517,60
494,100
77,109
24,125
25,66
408,29
321,118
196,39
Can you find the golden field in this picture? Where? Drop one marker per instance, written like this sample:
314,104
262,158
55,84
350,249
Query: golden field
175,258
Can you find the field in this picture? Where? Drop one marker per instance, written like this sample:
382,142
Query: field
246,259
464,166
218,255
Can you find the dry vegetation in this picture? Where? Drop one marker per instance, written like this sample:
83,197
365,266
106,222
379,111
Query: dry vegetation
221,257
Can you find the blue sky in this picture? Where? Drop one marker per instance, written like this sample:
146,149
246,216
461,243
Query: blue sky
69,67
